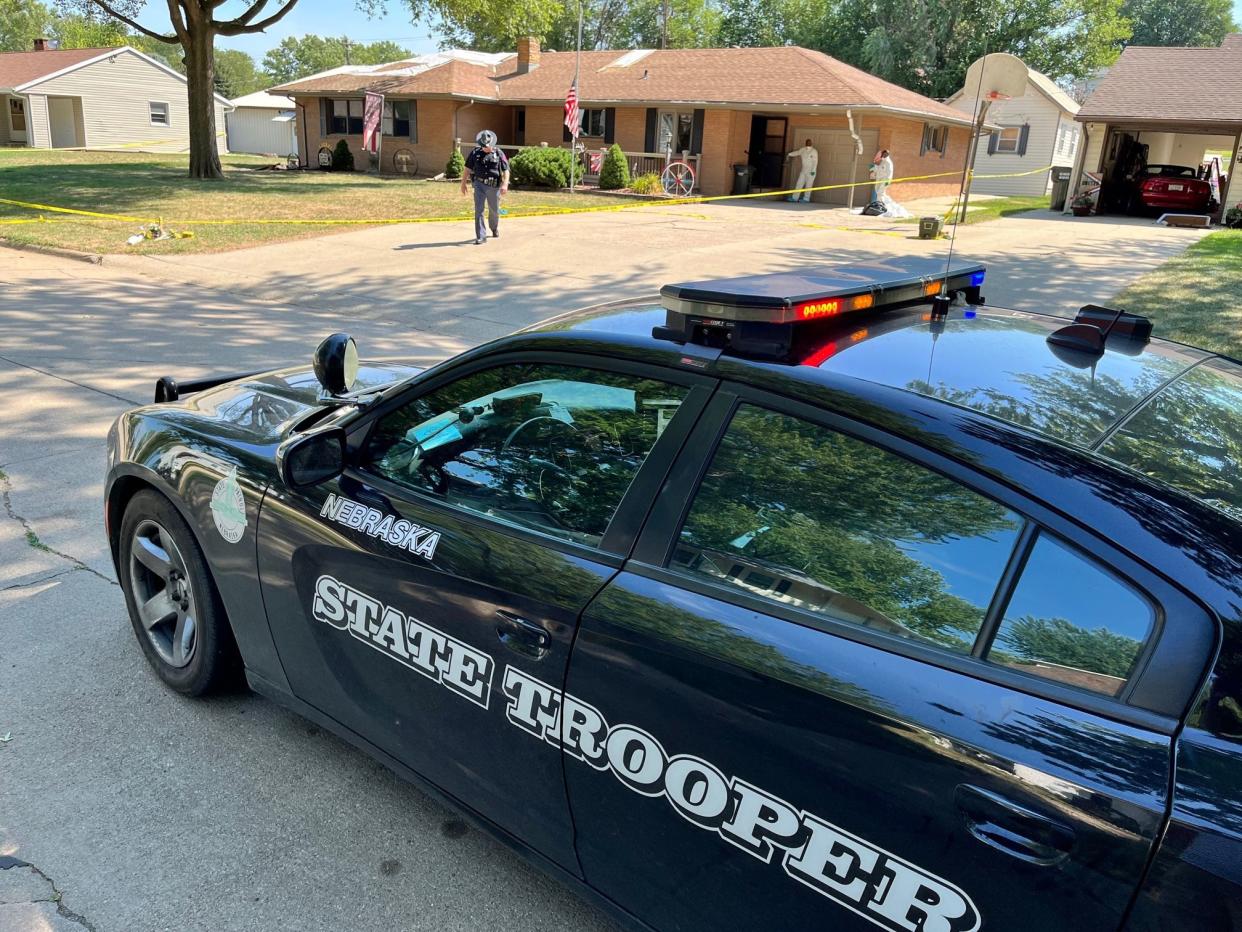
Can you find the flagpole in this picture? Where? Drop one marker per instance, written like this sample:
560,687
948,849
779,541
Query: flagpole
573,140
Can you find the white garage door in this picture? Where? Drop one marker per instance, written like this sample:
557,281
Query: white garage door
836,159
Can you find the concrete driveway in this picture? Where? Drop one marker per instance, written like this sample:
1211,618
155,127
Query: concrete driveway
125,807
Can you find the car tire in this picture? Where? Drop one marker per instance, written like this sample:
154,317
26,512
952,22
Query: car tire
173,603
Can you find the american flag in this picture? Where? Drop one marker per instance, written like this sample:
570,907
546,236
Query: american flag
573,117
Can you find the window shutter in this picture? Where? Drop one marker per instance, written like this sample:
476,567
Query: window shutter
414,120
610,125
565,134
923,145
944,145
992,138
324,104
1022,137
649,140
696,132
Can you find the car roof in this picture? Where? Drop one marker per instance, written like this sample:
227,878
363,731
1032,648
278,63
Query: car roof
996,362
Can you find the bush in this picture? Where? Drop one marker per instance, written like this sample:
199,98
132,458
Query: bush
647,184
615,173
543,166
1233,216
456,165
342,158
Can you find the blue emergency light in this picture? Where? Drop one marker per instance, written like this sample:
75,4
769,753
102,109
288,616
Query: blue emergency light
758,315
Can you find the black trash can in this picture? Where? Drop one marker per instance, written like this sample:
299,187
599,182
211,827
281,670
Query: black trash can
1060,186
743,176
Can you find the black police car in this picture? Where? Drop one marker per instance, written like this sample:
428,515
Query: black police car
792,603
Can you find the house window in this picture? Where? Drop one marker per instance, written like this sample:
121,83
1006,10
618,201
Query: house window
593,122
346,118
675,130
159,113
17,115
1007,139
935,139
399,119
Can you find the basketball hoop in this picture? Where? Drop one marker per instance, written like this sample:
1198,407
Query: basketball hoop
999,76
995,96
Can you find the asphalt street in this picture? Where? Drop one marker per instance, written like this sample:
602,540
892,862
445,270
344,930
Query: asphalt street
125,807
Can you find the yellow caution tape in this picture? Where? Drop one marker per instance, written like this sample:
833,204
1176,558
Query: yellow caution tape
457,218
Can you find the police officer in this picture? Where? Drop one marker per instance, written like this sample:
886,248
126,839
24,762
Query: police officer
487,169
808,162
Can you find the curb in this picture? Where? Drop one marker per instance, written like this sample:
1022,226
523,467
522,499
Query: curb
92,258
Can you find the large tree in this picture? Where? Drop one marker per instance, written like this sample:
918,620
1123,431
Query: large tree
297,57
927,45
236,74
21,22
194,28
1178,22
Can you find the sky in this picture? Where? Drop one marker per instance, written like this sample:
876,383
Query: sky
337,17
318,17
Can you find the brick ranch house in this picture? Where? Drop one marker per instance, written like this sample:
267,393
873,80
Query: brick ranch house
721,106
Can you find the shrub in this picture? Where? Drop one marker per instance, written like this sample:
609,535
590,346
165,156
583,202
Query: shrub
1233,216
543,166
456,165
647,184
615,173
342,158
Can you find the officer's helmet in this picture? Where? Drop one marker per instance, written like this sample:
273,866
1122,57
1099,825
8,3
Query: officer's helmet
486,138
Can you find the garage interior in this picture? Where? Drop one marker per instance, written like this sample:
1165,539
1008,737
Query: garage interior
1128,148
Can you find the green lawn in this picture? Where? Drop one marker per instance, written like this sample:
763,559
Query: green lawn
153,186
982,211
1195,297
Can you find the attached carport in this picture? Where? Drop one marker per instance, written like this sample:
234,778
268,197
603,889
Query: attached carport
1178,102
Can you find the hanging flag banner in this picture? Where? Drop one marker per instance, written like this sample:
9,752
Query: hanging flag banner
573,116
597,161
372,118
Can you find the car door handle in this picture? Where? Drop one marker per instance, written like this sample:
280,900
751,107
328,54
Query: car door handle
524,637
1012,828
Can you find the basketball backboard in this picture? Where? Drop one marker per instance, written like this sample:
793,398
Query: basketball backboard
998,76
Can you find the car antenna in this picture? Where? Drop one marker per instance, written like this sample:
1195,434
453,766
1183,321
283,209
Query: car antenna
941,302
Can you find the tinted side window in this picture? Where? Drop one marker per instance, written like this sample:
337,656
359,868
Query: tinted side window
800,514
1072,621
551,448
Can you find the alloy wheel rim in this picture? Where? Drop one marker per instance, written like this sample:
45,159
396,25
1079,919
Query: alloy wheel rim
163,596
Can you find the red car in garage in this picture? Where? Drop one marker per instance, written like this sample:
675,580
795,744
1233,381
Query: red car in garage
1172,188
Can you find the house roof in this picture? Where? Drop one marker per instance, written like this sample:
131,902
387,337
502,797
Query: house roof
781,77
265,100
18,68
33,68
1182,85
1042,83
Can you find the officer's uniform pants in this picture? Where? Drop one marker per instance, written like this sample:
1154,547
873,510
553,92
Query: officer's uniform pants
486,195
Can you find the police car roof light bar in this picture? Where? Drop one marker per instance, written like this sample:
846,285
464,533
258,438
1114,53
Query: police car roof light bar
756,315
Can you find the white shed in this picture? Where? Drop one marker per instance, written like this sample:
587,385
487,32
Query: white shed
1035,132
263,123
113,98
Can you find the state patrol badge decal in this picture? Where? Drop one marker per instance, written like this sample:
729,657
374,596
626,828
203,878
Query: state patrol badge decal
228,507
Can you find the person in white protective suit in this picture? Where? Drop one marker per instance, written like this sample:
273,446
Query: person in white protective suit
808,157
882,172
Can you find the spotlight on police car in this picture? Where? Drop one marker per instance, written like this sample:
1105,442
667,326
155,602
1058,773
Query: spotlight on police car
336,363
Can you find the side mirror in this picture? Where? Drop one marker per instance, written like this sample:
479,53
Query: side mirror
310,459
336,363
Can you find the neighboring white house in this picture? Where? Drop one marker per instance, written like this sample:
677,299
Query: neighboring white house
113,98
263,123
1036,130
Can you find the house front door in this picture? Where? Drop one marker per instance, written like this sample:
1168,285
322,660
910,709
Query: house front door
17,119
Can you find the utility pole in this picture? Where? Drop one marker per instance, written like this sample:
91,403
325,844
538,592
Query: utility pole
664,13
345,42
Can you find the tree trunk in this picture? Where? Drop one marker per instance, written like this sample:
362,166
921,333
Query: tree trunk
200,72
